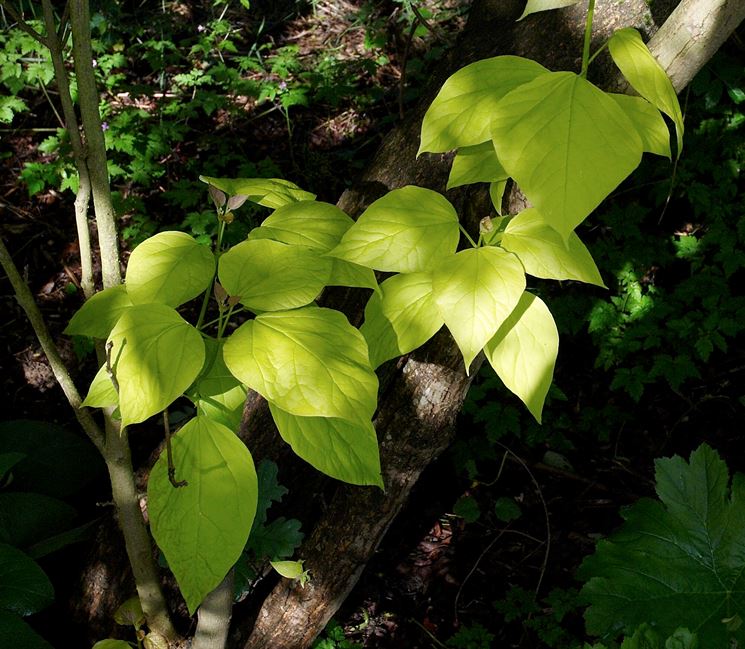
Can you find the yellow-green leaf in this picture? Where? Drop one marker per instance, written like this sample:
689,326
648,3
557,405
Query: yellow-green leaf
159,355
544,253
476,164
646,75
523,352
566,143
99,314
534,6
345,450
476,290
461,112
170,267
269,192
217,393
101,393
648,122
202,527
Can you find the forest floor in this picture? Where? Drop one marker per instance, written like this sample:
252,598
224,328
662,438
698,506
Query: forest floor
456,569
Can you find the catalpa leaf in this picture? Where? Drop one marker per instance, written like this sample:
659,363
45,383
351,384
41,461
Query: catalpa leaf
523,352
99,314
461,112
26,518
170,267
679,558
158,355
476,164
646,75
101,393
566,143
475,290
406,231
269,192
496,193
342,449
24,588
648,122
271,276
312,224
534,6
202,527
217,393
14,632
288,569
309,362
545,254
402,317
345,273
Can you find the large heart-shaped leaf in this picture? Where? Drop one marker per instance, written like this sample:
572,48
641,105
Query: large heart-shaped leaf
309,362
202,527
99,314
566,143
402,317
158,355
342,449
312,224
476,164
268,275
101,393
269,192
679,559
170,267
646,75
345,273
475,290
648,122
26,518
523,352
406,231
534,6
545,254
217,393
461,112
14,632
24,588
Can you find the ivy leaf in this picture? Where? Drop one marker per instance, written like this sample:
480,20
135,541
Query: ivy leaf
269,192
217,393
475,290
523,352
313,224
402,317
309,362
407,230
646,75
170,267
679,558
476,164
648,122
534,6
345,450
461,112
271,276
566,143
269,491
159,356
24,588
202,527
101,393
544,254
99,314
277,539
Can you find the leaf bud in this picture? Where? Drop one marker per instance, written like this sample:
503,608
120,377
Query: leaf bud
485,225
218,197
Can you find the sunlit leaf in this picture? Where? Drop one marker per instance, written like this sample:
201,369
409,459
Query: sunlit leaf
496,193
170,267
402,317
269,192
544,253
202,527
523,352
288,569
159,355
345,273
110,643
312,224
99,314
677,559
309,362
101,393
648,122
475,290
407,230
646,75
566,143
461,113
217,393
269,275
342,449
534,6
476,164
24,588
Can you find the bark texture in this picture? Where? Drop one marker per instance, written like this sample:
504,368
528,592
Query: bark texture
423,392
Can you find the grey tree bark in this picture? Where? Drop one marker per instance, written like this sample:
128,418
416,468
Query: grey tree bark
423,392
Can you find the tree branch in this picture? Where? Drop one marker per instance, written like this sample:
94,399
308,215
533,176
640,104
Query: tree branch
22,24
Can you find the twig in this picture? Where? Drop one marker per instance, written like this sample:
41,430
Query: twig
22,24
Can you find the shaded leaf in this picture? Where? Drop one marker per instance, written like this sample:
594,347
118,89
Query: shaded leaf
24,588
476,164
277,539
203,526
29,517
648,122
14,632
269,490
217,393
